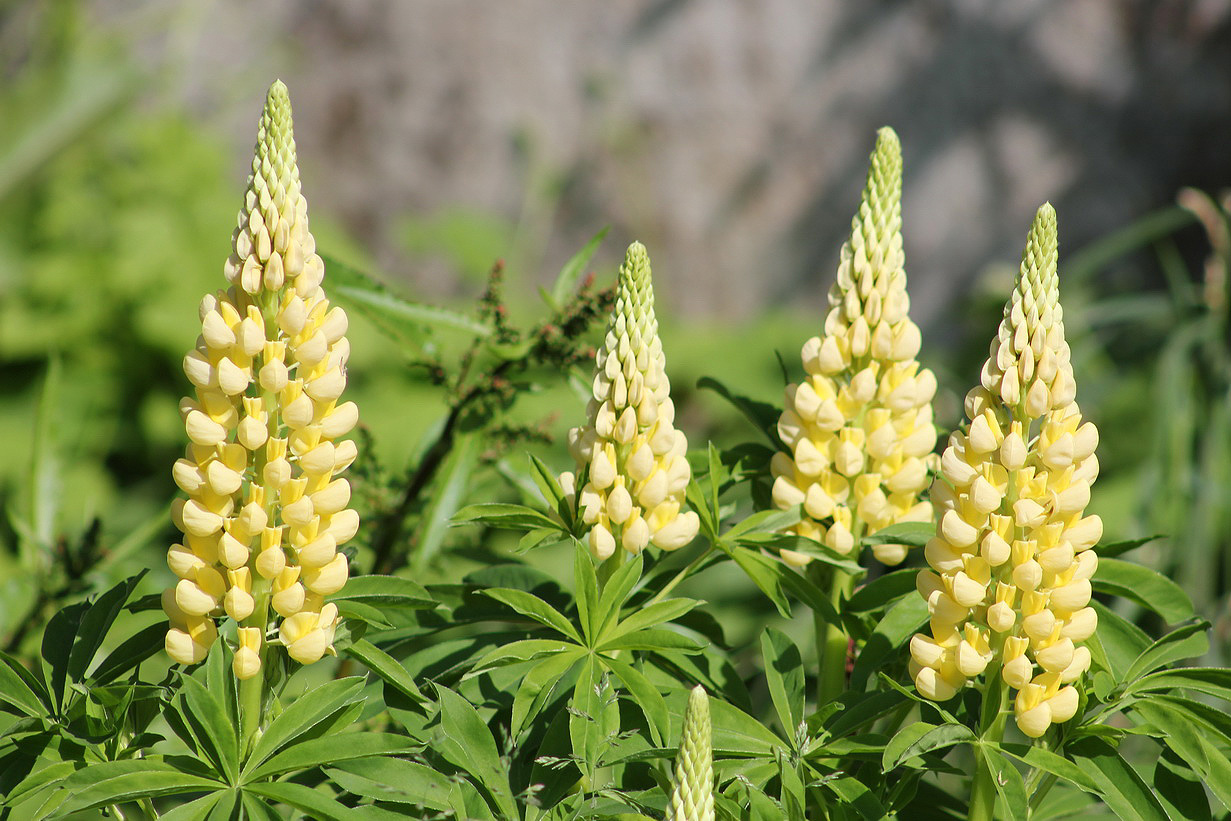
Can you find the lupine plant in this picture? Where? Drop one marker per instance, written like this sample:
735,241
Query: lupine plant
628,636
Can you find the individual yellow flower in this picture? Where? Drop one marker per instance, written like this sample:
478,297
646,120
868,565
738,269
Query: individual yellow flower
859,427
630,454
265,511
1011,560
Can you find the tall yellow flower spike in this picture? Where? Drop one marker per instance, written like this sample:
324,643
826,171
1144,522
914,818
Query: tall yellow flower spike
859,427
1011,559
631,455
264,514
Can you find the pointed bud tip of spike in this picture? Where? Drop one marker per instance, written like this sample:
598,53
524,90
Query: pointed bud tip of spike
888,138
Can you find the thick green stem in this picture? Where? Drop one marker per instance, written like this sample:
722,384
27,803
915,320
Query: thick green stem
992,721
252,690
832,642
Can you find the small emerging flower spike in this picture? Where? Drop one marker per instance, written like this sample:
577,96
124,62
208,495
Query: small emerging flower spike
630,456
692,793
859,426
1011,560
266,510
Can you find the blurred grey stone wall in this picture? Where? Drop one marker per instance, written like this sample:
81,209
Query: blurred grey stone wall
730,136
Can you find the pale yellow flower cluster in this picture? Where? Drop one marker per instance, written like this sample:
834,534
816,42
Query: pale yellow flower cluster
859,427
1012,556
630,455
265,511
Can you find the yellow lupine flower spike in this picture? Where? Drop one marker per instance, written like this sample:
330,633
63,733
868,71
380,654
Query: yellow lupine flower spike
859,427
1011,560
265,511
631,455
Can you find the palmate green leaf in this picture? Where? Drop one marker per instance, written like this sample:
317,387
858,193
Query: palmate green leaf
912,534
319,752
539,686
532,607
894,629
21,690
1115,781
468,744
317,805
1184,738
1185,642
302,714
570,274
396,780
920,738
1144,586
784,673
645,696
515,517
389,669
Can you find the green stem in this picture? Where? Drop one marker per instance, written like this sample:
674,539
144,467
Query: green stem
832,642
992,722
252,690
1036,798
